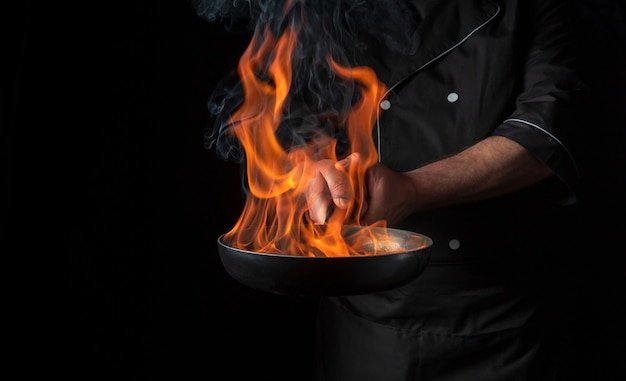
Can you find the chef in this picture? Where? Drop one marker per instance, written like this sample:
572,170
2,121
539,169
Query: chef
473,137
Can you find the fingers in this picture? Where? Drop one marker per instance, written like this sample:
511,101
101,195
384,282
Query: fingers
318,199
339,185
330,187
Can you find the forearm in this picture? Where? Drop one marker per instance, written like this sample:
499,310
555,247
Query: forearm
492,167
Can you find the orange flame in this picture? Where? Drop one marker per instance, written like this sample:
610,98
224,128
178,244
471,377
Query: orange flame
274,217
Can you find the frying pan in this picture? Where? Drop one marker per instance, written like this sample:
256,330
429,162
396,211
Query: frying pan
330,275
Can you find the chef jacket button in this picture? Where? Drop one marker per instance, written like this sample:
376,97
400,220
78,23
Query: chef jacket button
454,244
453,97
385,105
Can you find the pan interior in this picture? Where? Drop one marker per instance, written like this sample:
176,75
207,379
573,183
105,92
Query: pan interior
367,241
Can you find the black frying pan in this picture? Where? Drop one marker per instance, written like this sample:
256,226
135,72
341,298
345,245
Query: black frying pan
327,275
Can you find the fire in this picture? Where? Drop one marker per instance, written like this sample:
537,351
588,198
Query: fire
274,218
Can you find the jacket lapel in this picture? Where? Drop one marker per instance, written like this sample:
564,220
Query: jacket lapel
454,22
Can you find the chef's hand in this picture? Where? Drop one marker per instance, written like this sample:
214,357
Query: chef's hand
389,195
490,168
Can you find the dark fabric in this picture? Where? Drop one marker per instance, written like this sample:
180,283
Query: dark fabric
422,7
455,322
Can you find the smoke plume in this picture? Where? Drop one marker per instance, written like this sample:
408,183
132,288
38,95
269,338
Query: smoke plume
318,101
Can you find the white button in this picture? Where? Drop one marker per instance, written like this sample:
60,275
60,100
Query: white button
453,97
385,105
454,244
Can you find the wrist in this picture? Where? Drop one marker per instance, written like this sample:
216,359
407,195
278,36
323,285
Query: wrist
417,198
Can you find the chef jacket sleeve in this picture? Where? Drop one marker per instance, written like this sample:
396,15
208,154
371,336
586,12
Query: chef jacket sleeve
544,120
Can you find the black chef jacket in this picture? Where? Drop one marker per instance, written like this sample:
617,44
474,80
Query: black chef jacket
481,68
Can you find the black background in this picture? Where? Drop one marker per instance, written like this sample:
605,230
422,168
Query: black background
111,205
